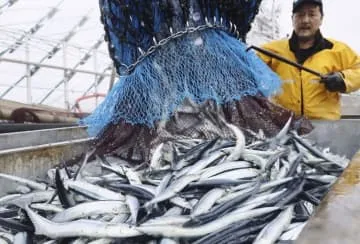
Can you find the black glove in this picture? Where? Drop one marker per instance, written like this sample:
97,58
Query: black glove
334,82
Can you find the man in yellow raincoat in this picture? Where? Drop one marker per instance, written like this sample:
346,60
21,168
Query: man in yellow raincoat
303,92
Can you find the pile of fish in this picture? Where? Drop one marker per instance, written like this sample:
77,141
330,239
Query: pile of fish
253,190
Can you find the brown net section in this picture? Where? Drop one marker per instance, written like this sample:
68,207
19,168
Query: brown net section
205,121
258,113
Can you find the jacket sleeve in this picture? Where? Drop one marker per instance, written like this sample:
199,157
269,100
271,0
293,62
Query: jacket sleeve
351,69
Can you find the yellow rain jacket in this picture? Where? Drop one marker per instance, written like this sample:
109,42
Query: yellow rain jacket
301,91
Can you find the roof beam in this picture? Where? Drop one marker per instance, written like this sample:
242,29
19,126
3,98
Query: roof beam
40,65
49,55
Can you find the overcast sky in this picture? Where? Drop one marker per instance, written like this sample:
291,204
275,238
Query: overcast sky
341,20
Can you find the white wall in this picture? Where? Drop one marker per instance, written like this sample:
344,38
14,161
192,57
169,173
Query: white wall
341,20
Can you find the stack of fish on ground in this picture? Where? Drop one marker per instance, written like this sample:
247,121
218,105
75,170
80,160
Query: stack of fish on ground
236,190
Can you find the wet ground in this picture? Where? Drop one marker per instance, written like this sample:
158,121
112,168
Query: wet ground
337,219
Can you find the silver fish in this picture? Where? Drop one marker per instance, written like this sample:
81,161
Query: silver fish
89,228
90,209
175,231
273,230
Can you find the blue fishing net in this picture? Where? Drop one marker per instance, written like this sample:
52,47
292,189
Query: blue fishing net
184,70
167,51
206,65
133,27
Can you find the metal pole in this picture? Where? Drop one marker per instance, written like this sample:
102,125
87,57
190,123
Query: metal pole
34,29
28,75
95,76
50,54
66,83
100,79
272,20
8,4
112,78
282,59
72,73
18,61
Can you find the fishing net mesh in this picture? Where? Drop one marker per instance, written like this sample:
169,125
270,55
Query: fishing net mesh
253,114
188,83
200,66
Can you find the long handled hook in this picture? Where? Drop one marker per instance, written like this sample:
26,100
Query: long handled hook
274,55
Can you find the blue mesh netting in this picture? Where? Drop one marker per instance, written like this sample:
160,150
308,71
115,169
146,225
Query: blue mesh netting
208,64
134,26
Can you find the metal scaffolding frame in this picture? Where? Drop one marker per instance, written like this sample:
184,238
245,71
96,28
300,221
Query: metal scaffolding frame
24,39
28,45
27,35
7,5
49,55
72,72
40,65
